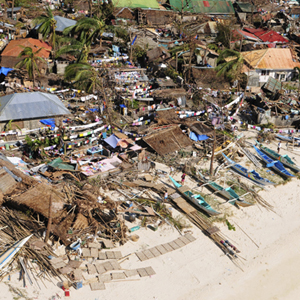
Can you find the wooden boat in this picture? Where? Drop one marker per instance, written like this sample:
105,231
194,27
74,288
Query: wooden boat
251,175
194,198
289,139
8,255
228,193
275,164
284,159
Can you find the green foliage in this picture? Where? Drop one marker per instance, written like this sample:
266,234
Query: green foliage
83,76
138,52
171,73
122,33
230,63
268,125
229,225
224,34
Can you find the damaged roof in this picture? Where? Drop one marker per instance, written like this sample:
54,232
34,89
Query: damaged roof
136,3
270,59
267,35
246,7
167,141
22,106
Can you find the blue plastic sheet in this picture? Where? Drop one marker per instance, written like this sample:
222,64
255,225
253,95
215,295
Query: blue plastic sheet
49,122
5,71
112,141
197,137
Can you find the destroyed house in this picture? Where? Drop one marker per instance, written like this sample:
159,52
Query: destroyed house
167,141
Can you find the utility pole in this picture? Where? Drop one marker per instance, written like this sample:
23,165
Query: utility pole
213,154
49,220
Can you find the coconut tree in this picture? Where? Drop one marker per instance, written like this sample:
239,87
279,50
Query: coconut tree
230,64
47,27
29,60
84,77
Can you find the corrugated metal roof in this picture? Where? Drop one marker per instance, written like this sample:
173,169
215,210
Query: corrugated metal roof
246,35
271,59
247,7
136,3
62,23
13,48
33,105
267,35
204,7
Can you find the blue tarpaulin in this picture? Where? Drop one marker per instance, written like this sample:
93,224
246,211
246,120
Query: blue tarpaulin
197,137
49,122
122,106
112,141
5,71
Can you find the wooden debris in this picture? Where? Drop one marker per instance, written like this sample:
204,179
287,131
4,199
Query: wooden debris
117,276
130,273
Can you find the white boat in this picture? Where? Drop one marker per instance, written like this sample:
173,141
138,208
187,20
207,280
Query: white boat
8,255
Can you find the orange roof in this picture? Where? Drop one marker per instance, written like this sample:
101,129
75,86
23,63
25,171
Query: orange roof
271,59
13,48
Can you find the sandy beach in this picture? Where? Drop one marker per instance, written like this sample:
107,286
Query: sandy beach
268,267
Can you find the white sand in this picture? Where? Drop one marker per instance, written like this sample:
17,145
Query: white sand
201,271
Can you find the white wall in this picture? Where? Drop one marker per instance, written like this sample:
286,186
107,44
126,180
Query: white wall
272,73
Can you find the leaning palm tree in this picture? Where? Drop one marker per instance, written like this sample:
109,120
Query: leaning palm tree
30,60
84,77
47,27
297,69
230,64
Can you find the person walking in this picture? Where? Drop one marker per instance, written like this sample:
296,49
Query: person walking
278,147
182,178
166,196
171,170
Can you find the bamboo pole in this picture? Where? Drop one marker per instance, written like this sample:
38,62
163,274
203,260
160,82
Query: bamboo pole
49,220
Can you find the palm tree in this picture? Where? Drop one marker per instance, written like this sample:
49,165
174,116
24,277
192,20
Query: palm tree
84,77
30,60
297,69
47,27
230,64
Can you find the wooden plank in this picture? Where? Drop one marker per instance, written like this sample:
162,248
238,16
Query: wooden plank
107,266
108,244
118,254
190,237
167,247
110,254
141,256
74,264
91,269
150,271
179,242
213,229
174,245
154,251
96,286
101,255
59,265
115,265
77,275
94,252
186,207
184,239
94,245
184,189
161,249
86,252
130,273
56,260
105,278
142,272
66,270
117,276
100,269
148,254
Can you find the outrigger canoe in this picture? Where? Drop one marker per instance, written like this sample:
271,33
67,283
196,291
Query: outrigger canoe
274,164
251,175
228,193
196,199
284,159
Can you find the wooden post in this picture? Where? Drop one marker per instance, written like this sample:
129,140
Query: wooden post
49,220
213,154
176,61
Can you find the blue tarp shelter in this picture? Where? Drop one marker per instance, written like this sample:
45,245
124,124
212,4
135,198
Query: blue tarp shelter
112,141
197,137
5,71
49,122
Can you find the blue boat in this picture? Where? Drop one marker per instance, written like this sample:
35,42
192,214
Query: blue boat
251,175
275,164
289,139
196,199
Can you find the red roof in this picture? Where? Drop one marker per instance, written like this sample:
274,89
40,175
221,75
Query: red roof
267,35
237,33
13,48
